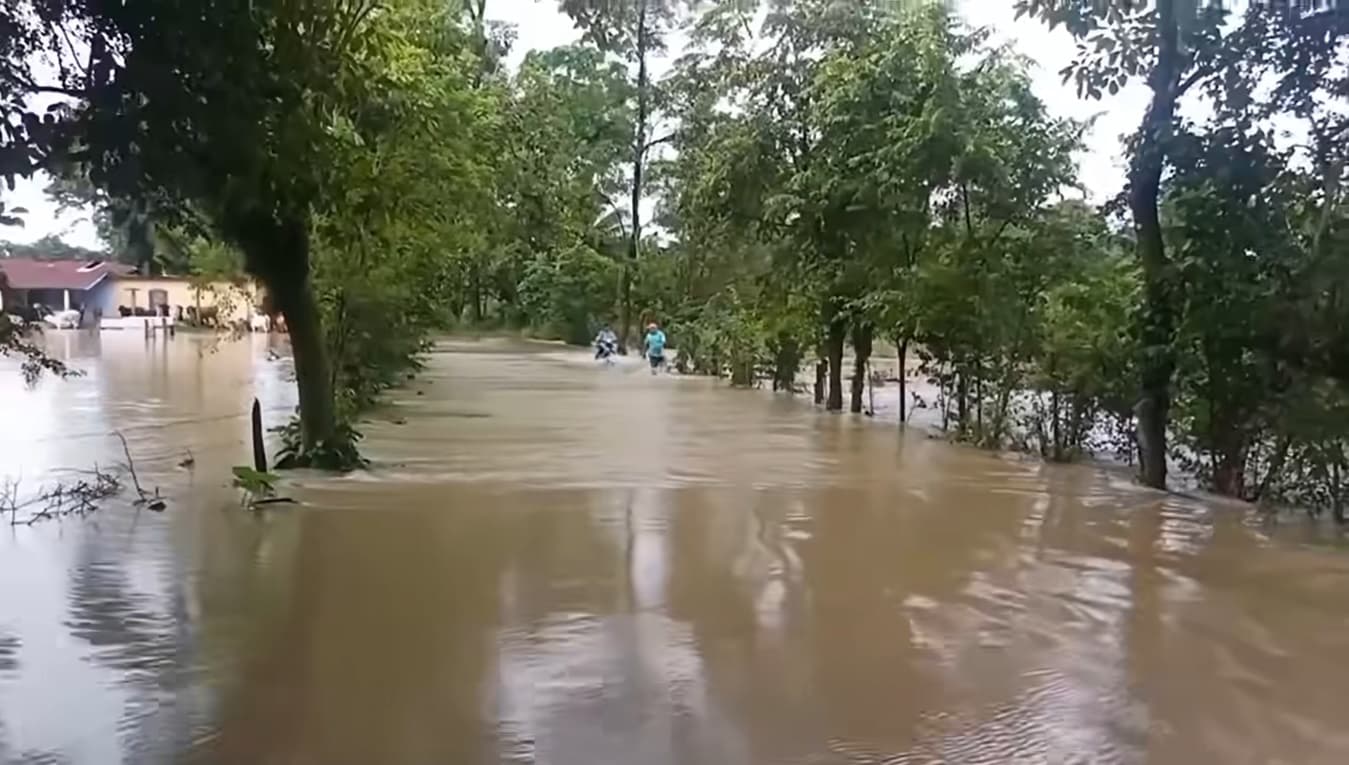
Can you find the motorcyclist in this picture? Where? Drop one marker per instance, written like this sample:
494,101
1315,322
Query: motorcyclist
606,343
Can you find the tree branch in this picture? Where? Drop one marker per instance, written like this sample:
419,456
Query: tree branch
617,211
657,141
1188,82
65,35
965,206
997,234
1200,72
35,88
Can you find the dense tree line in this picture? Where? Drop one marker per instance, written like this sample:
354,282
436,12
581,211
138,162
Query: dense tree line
808,177
49,247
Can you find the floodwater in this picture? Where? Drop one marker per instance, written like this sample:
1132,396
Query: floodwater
553,562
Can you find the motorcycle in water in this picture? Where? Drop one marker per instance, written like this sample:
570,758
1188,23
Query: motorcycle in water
606,350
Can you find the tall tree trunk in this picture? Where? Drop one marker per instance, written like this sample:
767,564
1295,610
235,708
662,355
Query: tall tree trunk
861,340
1081,414
1158,362
742,373
625,310
1057,423
1275,468
1229,477
821,377
475,291
979,404
962,402
1336,486
944,387
903,346
456,300
638,166
318,419
277,252
785,364
838,331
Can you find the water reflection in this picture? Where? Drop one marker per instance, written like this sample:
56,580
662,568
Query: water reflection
553,563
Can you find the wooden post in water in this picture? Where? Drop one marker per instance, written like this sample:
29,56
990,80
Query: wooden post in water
871,391
259,448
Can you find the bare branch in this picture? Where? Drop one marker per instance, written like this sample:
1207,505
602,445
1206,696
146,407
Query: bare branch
998,234
130,464
657,141
74,57
79,497
617,211
56,89
32,86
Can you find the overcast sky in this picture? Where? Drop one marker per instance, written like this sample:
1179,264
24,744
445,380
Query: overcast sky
539,25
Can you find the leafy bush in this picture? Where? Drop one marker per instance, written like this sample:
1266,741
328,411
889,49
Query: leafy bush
340,453
567,293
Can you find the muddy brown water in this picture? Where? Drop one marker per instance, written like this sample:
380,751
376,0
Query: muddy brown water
557,563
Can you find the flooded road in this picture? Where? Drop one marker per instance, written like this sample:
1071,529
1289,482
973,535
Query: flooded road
557,563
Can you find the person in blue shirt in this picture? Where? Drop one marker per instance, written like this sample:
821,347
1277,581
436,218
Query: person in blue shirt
655,346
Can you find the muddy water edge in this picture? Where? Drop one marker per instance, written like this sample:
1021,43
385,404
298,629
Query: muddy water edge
554,562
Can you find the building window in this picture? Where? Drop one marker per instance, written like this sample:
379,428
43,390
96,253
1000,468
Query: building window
159,302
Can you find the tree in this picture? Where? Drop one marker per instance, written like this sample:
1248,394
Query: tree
635,31
1173,44
889,113
49,247
887,108
1082,363
239,131
264,97
126,226
1228,207
1303,57
734,293
567,127
14,343
405,204
1180,46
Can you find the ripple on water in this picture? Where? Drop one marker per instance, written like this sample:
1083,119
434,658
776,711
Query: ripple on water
9,652
1052,719
128,630
563,564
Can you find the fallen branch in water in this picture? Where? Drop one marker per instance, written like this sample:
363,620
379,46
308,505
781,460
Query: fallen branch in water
273,501
258,488
78,496
153,501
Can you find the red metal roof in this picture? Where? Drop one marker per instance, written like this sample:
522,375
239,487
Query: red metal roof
33,274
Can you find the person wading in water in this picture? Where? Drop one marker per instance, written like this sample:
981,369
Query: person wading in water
655,346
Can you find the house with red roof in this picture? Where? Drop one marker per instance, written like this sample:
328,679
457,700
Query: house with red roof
32,287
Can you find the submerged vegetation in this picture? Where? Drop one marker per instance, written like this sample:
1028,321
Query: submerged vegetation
805,178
